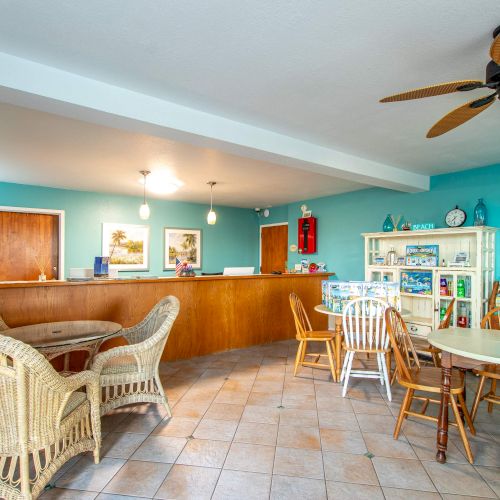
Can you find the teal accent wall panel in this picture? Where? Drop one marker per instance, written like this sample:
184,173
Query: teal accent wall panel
233,241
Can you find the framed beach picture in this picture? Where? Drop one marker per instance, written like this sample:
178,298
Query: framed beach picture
126,245
184,244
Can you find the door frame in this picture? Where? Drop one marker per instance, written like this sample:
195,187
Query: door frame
260,238
46,211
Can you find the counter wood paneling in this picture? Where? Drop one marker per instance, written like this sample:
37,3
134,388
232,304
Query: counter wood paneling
217,312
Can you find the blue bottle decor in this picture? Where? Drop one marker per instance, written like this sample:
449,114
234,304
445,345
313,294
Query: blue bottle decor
480,213
388,225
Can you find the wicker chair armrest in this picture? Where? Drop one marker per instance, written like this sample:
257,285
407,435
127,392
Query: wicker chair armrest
85,378
102,358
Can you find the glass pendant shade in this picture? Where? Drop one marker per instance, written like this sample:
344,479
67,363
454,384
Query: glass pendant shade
144,211
211,217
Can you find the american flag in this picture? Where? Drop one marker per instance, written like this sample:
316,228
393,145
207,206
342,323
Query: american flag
178,266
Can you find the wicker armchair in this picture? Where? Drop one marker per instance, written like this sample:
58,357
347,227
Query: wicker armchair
129,374
3,325
44,419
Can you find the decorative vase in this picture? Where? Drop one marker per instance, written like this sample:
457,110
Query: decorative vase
480,213
42,277
388,225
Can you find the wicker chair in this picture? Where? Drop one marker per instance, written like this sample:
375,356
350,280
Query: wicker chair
129,374
44,419
3,326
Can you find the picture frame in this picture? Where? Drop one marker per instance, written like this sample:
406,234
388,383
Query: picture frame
126,245
184,244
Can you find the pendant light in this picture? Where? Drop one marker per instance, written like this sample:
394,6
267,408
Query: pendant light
144,211
211,216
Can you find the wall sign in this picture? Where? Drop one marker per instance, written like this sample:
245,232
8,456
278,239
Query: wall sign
423,226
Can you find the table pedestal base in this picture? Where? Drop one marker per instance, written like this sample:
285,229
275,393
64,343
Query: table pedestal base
442,433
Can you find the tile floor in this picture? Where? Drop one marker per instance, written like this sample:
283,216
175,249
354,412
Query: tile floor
244,428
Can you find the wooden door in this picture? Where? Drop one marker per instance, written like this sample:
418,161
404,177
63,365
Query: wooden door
273,248
27,241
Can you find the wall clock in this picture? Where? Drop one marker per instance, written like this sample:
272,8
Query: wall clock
455,217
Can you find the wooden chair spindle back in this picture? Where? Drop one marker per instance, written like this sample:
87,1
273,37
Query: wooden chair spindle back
302,323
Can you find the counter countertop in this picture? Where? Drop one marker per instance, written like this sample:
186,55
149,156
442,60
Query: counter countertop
30,284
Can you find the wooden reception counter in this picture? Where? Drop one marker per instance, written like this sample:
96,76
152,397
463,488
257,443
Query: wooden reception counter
217,312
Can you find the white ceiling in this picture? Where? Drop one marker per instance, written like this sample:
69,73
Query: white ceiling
309,69
45,149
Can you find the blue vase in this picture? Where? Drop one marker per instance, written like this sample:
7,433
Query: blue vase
388,225
480,213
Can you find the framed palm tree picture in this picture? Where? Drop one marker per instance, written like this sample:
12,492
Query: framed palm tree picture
126,245
182,244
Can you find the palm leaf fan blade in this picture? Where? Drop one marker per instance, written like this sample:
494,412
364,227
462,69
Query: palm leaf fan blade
432,90
460,115
495,49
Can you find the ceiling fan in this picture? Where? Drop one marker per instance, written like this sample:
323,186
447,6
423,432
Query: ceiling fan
466,111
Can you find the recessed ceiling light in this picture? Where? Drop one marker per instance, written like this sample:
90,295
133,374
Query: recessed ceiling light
162,183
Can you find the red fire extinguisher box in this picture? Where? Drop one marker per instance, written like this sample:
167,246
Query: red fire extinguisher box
307,234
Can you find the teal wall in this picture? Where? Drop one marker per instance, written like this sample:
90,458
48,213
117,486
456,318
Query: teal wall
233,241
342,218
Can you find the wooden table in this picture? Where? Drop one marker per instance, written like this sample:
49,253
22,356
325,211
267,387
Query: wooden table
475,343
62,337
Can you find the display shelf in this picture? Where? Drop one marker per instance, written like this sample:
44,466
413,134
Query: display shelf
477,242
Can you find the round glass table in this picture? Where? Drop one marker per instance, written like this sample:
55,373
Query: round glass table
63,337
474,343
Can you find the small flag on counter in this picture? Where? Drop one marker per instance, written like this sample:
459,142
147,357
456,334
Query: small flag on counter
178,266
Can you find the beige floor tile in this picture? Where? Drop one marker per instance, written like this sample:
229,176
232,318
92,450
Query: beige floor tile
232,397
232,484
425,449
381,424
224,411
349,468
190,409
136,422
121,444
89,476
299,387
177,427
459,479
221,430
340,421
272,399
299,437
109,423
327,390
492,476
297,488
260,414
419,428
138,479
61,494
186,482
256,433
298,462
342,441
338,405
267,386
447,496
291,416
160,449
204,453
383,445
485,449
250,458
112,496
370,407
398,494
406,474
299,401
351,491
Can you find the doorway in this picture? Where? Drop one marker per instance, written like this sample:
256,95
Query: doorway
273,247
31,240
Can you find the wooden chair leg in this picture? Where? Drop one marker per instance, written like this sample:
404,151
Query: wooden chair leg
303,354
461,429
493,391
330,358
477,399
298,357
466,414
404,407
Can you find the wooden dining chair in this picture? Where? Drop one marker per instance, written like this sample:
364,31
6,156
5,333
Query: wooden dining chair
365,332
492,304
305,334
487,372
427,379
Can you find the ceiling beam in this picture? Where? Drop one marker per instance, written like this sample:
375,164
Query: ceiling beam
30,84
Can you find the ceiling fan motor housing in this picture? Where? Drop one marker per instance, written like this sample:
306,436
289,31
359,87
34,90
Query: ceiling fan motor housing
492,72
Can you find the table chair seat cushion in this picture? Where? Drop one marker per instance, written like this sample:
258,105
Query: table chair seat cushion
428,378
119,365
75,400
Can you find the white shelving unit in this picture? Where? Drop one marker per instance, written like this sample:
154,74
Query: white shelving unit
479,242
